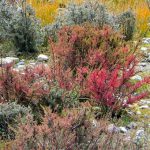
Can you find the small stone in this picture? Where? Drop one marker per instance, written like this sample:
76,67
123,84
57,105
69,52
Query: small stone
113,129
32,64
144,102
144,48
127,138
146,40
137,77
94,123
20,63
138,113
42,57
132,125
139,134
21,67
123,129
144,107
142,64
8,60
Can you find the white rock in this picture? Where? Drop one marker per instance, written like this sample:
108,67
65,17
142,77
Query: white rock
113,129
138,113
144,102
14,59
142,64
127,138
42,57
132,125
136,77
144,48
94,123
21,67
146,40
139,134
21,63
123,129
8,60
144,107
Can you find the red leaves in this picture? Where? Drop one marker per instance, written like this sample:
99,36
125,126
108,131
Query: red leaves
24,86
111,88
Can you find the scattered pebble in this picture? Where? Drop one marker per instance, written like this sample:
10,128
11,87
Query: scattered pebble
123,129
113,129
137,77
42,57
144,107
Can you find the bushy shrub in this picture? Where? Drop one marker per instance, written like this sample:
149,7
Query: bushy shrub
127,24
75,130
10,116
24,87
101,63
95,13
37,87
88,46
113,90
22,28
59,99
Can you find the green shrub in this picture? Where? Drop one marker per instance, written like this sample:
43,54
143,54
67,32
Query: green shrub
9,118
127,24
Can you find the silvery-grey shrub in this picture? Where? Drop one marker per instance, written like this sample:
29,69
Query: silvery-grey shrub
94,13
126,22
9,118
19,24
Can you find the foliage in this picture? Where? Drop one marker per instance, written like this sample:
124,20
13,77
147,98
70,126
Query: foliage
141,10
101,63
22,87
127,23
112,90
45,10
10,114
88,46
37,87
95,13
60,99
74,130
22,28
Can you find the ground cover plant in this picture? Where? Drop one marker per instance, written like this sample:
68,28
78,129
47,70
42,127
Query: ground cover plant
89,90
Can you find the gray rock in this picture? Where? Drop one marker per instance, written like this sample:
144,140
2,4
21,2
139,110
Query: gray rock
137,77
20,63
144,102
21,67
127,138
123,129
132,125
42,57
8,60
138,113
94,123
146,40
142,64
144,48
113,129
144,107
139,134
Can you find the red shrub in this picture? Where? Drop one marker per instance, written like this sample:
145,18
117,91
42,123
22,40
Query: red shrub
100,61
30,85
114,89
79,46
